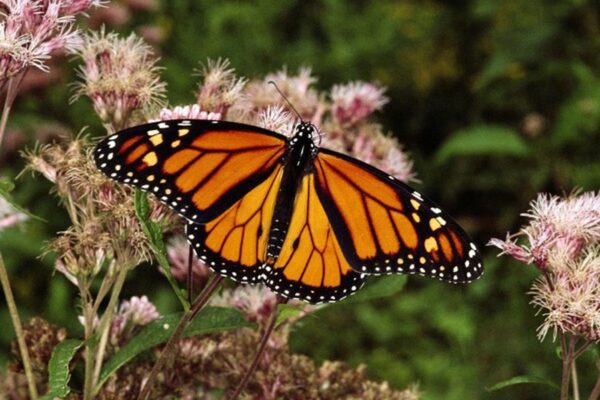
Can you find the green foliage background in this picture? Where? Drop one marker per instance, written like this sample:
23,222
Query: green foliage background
465,79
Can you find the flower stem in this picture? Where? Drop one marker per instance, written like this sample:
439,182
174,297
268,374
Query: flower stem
257,356
190,281
14,315
11,93
582,350
596,391
104,327
575,380
88,319
167,352
567,350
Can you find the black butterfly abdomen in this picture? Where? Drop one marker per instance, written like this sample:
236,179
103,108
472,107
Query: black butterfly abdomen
296,162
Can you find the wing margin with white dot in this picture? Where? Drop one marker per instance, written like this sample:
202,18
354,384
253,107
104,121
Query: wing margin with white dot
386,227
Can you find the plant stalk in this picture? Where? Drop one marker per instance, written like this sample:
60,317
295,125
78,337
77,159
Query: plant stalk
596,391
190,278
257,356
104,327
575,380
11,94
14,315
88,318
168,351
567,350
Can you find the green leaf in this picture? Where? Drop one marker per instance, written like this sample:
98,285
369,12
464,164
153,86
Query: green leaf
517,380
579,116
7,186
287,311
155,237
142,208
210,319
481,140
377,288
58,368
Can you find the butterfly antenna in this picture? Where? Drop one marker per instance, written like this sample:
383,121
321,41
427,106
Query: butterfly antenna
286,100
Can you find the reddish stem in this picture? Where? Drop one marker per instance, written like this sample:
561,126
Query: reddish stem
168,351
257,356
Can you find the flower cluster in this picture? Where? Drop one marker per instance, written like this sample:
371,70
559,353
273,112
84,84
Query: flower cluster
219,88
355,101
562,239
256,302
342,115
121,78
31,30
187,112
133,313
105,230
41,338
178,253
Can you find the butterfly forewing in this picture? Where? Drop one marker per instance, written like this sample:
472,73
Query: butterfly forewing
199,168
384,226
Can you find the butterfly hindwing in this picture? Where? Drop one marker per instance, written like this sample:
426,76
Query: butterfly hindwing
384,226
234,243
197,167
311,265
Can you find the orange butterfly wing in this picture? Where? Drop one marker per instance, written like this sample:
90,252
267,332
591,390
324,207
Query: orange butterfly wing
224,178
384,226
311,265
234,244
199,168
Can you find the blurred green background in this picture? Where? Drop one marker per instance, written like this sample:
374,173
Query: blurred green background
494,100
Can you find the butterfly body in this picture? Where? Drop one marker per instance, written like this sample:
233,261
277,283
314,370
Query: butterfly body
296,162
308,222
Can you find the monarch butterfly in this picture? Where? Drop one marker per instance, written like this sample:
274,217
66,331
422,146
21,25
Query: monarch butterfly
308,222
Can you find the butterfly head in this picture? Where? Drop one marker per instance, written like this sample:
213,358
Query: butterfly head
305,134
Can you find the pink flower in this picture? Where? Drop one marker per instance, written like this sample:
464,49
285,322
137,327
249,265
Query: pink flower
275,118
355,101
256,302
510,247
32,30
563,225
569,297
562,239
220,88
120,76
178,253
187,112
139,310
135,312
383,152
260,94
